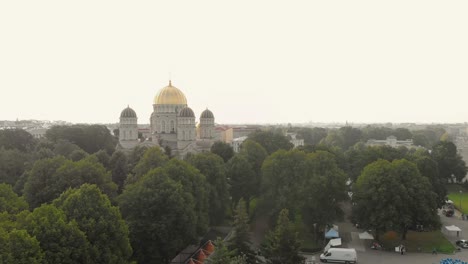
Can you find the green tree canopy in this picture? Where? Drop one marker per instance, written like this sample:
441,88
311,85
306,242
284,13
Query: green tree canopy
161,216
282,245
9,200
13,163
284,174
271,141
90,138
449,161
240,240
49,178
102,223
312,136
17,139
193,182
153,158
119,168
18,247
223,150
212,166
242,179
224,256
394,196
61,241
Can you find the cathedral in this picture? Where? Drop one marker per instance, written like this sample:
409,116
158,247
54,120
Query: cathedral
172,125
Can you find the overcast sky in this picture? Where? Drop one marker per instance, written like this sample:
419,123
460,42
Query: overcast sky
247,61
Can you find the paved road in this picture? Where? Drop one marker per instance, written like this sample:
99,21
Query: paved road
368,256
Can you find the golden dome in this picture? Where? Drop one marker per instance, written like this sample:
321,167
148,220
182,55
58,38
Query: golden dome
170,95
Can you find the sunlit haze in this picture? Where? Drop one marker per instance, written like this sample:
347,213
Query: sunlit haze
247,61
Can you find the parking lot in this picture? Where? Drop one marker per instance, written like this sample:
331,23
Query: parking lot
368,255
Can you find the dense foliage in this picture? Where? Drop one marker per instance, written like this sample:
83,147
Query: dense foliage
59,203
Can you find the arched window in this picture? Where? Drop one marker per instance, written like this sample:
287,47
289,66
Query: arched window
131,136
163,126
172,126
125,134
183,135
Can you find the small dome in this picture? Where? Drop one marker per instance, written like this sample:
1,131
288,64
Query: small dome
128,112
207,114
170,95
186,112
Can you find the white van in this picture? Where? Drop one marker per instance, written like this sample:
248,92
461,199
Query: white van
342,255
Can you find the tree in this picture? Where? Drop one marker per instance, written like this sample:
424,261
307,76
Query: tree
240,240
49,178
242,180
17,139
193,182
323,189
394,196
135,156
271,141
282,246
102,223
255,155
403,134
40,179
78,154
449,161
223,150
428,168
118,165
103,158
65,148
18,247
312,136
360,155
223,255
12,165
61,241
345,137
9,200
284,174
153,158
212,166
91,138
161,216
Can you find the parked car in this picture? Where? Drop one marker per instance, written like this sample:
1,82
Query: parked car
462,243
448,212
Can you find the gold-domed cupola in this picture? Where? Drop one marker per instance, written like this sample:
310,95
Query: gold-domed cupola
170,95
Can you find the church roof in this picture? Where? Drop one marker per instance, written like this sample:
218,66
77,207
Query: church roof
170,95
186,112
207,114
128,112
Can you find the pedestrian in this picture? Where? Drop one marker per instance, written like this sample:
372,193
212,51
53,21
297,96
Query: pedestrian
434,251
402,249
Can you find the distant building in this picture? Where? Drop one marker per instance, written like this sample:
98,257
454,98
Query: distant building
237,142
391,141
294,140
172,125
37,132
224,134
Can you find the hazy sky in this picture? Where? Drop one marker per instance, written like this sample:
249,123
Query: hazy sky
247,61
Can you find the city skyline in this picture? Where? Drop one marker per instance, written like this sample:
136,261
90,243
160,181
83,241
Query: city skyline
248,62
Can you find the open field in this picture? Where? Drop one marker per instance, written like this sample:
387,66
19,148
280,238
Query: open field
422,242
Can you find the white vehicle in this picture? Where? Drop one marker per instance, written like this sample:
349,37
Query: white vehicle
341,255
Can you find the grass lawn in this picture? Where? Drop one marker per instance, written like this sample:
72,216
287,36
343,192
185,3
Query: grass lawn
426,241
309,244
455,197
